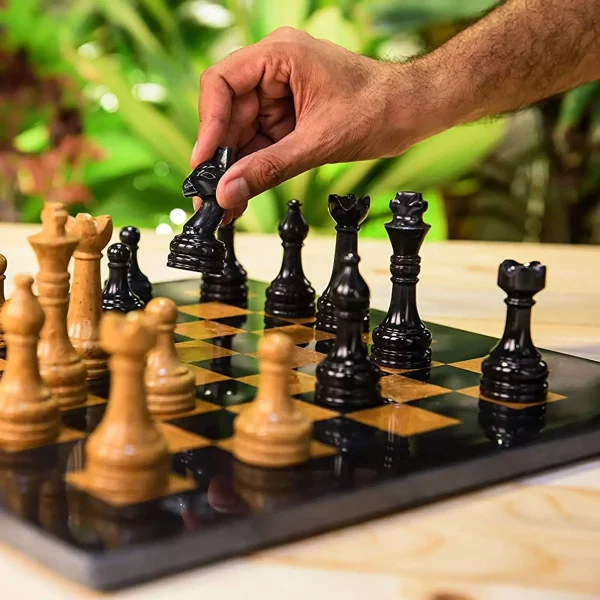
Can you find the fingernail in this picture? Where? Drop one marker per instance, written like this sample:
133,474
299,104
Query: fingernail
237,191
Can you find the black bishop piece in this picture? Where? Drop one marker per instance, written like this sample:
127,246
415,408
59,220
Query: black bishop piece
514,370
230,286
197,248
346,378
348,212
117,294
140,285
401,340
290,293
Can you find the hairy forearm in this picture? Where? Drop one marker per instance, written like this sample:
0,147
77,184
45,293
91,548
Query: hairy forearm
520,53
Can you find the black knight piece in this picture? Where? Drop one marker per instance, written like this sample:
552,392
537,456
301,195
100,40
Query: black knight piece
117,294
197,248
346,378
290,293
348,212
230,286
514,370
140,285
402,341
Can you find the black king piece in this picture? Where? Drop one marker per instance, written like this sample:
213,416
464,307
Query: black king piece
290,293
197,248
402,341
348,212
346,378
230,286
514,370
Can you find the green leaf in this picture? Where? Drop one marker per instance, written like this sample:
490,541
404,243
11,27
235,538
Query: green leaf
266,16
330,24
162,13
441,158
33,140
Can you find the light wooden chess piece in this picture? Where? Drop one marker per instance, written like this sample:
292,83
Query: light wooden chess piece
85,307
272,432
170,383
29,414
61,367
127,455
3,264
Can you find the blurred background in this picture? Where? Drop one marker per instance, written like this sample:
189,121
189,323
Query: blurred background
98,110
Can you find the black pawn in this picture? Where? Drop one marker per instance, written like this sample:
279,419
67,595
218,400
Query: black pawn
140,285
401,340
514,370
230,286
117,294
290,293
197,248
348,212
346,378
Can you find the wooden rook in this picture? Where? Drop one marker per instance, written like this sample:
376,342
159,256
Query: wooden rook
196,248
127,456
272,432
170,383
85,307
61,367
401,340
29,414
514,371
348,212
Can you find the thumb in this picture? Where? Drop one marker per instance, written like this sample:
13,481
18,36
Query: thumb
265,169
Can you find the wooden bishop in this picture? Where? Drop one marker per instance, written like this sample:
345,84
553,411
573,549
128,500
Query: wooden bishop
85,307
272,432
29,414
170,383
61,367
127,455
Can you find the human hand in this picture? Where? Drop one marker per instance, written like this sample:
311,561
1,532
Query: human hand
291,103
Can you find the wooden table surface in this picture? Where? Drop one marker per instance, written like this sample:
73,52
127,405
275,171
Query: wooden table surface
530,539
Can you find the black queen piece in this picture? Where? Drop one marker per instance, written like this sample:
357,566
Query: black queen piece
346,378
514,371
401,340
348,212
197,248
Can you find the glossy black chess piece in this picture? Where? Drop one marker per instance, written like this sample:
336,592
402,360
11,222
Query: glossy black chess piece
197,248
510,427
401,340
231,285
348,212
140,285
117,294
290,293
347,378
514,371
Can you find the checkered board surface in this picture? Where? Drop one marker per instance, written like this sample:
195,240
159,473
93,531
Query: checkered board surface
432,437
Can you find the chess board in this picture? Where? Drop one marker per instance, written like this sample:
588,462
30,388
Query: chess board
433,438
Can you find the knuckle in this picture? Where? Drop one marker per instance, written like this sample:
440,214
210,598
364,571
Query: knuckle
206,76
269,172
285,32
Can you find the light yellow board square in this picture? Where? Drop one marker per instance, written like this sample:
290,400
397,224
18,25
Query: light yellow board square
404,389
300,383
68,435
474,392
473,365
317,449
212,310
175,485
302,357
200,408
400,371
314,412
401,419
299,333
178,439
203,330
204,376
193,351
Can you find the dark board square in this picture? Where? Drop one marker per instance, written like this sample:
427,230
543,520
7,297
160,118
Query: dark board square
182,338
252,322
446,376
232,366
215,425
453,345
350,436
184,318
453,404
226,393
245,343
202,464
84,419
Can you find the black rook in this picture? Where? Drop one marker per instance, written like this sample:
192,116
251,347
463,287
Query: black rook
402,341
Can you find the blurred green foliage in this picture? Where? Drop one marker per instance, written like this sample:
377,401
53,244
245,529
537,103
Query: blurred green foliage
136,64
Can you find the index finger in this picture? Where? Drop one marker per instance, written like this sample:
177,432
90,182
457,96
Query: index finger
234,76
